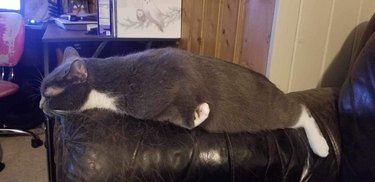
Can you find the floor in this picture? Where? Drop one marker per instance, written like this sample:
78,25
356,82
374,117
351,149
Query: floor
22,162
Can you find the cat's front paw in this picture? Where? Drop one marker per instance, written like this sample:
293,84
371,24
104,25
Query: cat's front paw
320,146
201,114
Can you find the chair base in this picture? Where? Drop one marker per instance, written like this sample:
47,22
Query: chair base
35,140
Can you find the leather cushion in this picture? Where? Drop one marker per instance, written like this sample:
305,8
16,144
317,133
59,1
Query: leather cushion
357,116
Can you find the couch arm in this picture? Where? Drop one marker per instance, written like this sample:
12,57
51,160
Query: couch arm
101,146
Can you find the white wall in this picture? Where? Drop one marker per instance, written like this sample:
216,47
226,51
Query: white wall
312,41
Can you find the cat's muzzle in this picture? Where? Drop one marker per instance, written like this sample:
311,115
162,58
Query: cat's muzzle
43,106
42,102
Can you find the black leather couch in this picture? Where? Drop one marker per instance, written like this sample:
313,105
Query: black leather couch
101,146
357,113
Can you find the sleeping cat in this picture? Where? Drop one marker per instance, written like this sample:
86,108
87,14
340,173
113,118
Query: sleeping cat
171,85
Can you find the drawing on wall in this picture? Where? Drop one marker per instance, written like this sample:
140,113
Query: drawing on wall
149,18
37,9
77,7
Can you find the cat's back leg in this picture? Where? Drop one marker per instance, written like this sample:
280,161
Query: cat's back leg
201,113
185,112
193,113
315,137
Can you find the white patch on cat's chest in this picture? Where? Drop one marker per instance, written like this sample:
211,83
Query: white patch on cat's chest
98,100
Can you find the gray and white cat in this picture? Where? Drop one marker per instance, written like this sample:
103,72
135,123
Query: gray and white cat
171,85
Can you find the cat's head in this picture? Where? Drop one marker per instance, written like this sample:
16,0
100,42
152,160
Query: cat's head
65,88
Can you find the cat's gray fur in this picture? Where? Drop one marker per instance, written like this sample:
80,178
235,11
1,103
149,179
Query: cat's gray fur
167,85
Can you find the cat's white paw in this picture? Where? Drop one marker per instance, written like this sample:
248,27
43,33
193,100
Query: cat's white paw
319,145
201,114
317,142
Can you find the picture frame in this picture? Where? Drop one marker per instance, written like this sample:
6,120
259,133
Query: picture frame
76,7
55,8
148,18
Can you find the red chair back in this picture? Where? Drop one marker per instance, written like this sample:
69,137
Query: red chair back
12,34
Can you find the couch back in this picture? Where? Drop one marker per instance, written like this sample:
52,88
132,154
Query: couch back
357,112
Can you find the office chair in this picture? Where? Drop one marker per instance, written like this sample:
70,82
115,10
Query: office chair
12,34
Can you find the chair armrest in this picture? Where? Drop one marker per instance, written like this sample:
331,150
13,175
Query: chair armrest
102,146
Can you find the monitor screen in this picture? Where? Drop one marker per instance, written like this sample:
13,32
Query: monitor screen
12,5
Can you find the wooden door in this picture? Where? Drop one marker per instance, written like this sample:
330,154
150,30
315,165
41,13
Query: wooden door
238,31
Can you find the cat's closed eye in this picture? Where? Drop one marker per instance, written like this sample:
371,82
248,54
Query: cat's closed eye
53,91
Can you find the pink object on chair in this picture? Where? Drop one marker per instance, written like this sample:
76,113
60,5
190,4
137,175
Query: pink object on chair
12,35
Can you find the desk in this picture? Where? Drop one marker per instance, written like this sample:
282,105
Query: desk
55,35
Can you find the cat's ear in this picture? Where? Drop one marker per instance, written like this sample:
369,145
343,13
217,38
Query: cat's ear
70,54
77,72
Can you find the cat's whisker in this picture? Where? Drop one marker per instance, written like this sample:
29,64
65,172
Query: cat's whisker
37,81
41,75
32,96
35,88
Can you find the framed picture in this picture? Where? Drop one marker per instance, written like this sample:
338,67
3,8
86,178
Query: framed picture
148,18
55,8
76,7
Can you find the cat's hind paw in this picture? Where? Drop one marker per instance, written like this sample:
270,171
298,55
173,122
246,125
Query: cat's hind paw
319,146
201,114
315,137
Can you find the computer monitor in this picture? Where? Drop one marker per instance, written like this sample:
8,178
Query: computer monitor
12,5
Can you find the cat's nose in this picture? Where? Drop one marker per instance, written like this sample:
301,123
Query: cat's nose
41,102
